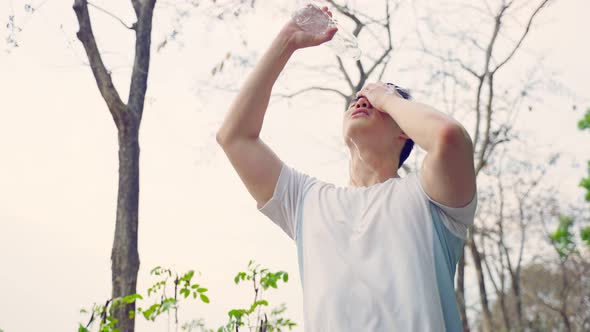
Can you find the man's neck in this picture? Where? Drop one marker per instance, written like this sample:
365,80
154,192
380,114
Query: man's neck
369,167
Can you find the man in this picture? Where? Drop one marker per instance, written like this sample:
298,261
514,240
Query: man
380,254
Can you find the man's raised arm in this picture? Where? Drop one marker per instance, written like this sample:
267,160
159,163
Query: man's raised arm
239,136
447,173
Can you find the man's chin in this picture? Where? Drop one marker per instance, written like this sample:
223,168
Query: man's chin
360,124
358,128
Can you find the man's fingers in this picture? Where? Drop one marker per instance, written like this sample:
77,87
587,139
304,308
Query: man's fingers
328,35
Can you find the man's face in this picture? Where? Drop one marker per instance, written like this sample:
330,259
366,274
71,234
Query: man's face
364,122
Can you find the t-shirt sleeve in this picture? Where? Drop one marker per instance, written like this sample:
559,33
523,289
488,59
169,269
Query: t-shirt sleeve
286,201
456,219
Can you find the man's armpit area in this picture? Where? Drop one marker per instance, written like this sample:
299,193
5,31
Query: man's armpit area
463,215
278,191
280,208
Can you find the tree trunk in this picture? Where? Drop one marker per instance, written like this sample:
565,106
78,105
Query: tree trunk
505,314
518,299
460,292
566,320
564,297
483,295
125,256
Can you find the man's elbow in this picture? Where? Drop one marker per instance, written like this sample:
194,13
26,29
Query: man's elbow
454,136
221,137
226,137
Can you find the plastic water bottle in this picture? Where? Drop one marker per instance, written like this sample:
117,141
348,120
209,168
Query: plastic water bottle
311,18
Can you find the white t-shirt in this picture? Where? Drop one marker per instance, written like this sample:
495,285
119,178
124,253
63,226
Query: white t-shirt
377,258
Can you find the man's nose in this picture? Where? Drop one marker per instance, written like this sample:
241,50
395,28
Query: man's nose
363,102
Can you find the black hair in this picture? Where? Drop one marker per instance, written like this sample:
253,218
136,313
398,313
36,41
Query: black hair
406,150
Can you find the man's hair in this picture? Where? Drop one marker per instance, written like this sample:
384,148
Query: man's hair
407,149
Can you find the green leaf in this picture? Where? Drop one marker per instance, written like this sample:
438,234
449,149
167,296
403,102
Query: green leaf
204,298
585,121
201,290
147,314
132,298
279,310
189,275
185,292
165,306
285,277
585,234
237,314
131,314
256,304
80,329
562,238
585,183
241,276
151,312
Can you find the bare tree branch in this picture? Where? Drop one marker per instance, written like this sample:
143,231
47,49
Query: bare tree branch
490,48
483,295
362,75
311,88
101,74
462,36
141,63
112,15
481,160
379,61
525,33
344,10
390,45
345,73
550,306
490,275
385,63
490,75
478,114
452,60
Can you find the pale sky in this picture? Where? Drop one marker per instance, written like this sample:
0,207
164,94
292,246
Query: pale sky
58,175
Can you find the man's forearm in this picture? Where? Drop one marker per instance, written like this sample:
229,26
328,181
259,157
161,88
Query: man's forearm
426,126
246,114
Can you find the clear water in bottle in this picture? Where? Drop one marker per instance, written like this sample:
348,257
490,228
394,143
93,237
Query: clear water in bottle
311,18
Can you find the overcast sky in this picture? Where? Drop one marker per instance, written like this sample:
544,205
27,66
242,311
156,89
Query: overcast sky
58,172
